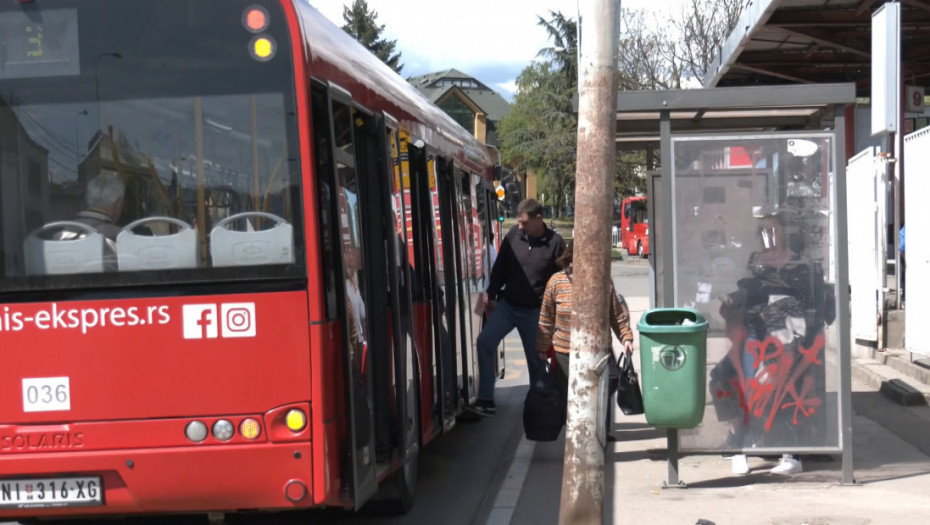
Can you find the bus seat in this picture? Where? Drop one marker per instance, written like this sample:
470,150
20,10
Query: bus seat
156,252
64,247
230,247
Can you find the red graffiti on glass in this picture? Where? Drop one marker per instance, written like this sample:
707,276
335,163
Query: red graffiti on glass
780,382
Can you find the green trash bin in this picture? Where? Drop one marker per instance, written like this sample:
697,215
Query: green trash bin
673,362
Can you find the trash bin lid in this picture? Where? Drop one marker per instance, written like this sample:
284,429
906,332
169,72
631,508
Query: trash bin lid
672,320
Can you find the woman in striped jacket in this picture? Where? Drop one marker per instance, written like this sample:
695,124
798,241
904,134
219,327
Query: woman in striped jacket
555,320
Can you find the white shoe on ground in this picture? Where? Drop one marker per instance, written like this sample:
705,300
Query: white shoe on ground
787,466
740,464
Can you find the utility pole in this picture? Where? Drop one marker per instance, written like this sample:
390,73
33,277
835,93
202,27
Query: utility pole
583,471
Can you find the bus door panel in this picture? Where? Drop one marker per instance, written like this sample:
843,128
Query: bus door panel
465,280
403,359
418,282
488,204
451,240
352,297
471,257
431,269
377,222
449,343
328,402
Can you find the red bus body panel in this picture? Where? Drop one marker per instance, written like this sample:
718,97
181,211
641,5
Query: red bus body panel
129,359
141,369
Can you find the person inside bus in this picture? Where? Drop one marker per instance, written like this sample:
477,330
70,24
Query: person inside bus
103,197
555,327
354,297
526,261
488,259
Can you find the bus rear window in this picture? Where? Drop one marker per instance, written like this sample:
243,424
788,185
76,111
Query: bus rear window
149,143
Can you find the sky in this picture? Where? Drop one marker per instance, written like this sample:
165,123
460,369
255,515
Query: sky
491,40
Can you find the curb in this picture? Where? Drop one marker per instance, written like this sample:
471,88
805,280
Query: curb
509,493
490,507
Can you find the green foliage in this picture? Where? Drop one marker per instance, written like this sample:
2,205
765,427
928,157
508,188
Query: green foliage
540,132
361,23
629,173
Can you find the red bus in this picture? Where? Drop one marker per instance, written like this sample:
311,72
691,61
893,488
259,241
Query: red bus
634,226
237,260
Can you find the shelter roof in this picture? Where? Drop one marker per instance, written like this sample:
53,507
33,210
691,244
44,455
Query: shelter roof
726,109
817,41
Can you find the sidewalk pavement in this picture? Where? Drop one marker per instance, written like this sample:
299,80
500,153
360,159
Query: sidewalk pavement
892,479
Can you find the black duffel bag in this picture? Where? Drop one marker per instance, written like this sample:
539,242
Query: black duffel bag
543,416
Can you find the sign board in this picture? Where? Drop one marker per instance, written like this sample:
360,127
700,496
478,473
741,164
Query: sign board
886,68
915,99
500,191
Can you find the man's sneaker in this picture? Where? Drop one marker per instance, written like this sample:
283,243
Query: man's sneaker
787,466
740,464
483,407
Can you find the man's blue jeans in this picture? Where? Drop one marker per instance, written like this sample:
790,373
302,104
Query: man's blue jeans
502,320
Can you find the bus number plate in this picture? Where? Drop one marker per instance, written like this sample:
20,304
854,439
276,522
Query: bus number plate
46,394
50,492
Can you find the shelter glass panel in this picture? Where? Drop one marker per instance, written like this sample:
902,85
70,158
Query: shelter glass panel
753,252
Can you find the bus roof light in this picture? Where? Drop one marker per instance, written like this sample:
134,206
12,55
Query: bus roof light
255,19
263,48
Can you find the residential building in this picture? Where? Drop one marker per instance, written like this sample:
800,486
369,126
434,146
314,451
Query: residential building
476,107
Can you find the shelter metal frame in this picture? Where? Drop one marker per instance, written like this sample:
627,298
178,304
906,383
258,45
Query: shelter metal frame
647,117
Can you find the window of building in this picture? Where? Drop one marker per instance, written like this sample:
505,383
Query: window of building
460,82
459,111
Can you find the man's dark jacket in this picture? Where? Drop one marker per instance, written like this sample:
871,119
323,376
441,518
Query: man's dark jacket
524,266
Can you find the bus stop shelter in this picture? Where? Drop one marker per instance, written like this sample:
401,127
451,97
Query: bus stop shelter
748,226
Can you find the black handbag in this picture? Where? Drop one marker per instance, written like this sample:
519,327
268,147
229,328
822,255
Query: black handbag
543,416
629,396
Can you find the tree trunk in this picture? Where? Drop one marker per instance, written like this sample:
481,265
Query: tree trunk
583,472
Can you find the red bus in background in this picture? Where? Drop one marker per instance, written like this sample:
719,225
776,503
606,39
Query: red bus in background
280,316
634,226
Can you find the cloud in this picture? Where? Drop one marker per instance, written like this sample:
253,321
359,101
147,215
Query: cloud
497,38
507,89
461,34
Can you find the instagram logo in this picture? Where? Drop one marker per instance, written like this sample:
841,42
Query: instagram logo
203,321
238,319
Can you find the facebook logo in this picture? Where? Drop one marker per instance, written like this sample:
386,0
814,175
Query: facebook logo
200,321
206,321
